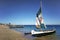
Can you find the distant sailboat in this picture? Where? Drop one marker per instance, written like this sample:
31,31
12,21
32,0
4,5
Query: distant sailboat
40,24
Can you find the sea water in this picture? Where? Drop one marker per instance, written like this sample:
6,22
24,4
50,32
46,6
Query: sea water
28,28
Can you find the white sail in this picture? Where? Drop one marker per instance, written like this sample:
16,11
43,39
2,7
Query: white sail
39,19
37,22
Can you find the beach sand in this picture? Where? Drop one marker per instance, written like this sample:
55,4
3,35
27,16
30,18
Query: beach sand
8,34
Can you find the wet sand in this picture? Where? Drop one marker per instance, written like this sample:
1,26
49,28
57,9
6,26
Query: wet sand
58,37
48,37
8,34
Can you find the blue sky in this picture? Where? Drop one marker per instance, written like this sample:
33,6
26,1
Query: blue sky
23,12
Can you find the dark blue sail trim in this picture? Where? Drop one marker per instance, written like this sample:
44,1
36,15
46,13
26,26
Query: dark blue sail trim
39,12
42,26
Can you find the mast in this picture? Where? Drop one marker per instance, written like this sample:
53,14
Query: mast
39,18
38,23
41,14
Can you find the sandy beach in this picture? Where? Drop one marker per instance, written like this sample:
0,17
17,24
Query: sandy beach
8,34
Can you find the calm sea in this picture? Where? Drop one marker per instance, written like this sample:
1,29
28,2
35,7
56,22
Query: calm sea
28,28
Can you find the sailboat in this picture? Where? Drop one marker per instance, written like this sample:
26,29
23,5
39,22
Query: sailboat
40,24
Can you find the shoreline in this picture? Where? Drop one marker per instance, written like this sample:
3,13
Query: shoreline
8,34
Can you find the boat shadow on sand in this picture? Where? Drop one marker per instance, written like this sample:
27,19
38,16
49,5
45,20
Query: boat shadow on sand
51,36
46,37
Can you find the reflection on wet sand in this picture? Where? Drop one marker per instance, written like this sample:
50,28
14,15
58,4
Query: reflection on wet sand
47,37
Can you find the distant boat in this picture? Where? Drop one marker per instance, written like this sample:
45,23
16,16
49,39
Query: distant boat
40,24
